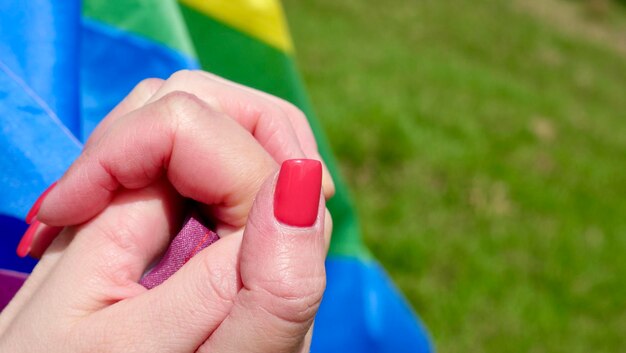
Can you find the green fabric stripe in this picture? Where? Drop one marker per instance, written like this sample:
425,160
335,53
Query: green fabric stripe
229,53
160,20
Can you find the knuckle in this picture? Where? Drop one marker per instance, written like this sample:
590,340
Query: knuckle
291,110
181,100
275,127
147,87
182,107
182,75
292,298
217,283
206,75
290,293
281,141
124,235
117,248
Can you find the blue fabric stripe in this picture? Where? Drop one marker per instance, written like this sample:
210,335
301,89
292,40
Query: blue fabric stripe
362,311
36,150
114,62
38,42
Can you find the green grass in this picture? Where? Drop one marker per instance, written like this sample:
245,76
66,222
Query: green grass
486,151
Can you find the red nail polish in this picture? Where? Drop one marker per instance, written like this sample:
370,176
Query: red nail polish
23,248
297,194
35,209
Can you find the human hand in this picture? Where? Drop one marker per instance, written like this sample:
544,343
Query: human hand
253,293
165,142
173,128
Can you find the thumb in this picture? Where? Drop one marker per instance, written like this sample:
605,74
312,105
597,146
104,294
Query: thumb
281,266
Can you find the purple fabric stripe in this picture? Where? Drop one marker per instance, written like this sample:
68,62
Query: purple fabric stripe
10,283
192,238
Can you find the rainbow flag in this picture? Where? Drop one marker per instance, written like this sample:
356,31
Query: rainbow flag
65,64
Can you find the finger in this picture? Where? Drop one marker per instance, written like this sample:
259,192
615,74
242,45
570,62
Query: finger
280,127
328,228
39,274
182,312
269,125
32,284
281,266
44,237
137,98
300,124
205,156
306,346
134,100
106,256
292,113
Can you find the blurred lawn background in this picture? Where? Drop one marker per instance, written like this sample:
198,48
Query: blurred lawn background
485,145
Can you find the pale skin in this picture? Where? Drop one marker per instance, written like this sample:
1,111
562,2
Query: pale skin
192,136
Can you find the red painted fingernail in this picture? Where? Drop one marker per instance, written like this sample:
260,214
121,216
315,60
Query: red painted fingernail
297,194
23,248
35,209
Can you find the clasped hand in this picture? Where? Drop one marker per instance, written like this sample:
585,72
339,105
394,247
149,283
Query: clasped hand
194,136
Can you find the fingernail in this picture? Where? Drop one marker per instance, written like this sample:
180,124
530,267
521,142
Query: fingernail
297,194
35,209
23,248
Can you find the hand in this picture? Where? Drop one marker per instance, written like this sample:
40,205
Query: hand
173,128
215,143
253,293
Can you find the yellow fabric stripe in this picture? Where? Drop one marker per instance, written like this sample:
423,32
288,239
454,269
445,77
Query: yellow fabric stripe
262,19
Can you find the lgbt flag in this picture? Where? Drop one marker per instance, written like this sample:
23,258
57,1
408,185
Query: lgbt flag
65,64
